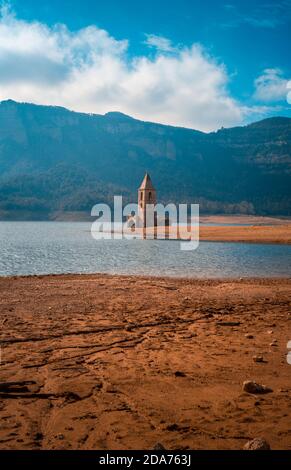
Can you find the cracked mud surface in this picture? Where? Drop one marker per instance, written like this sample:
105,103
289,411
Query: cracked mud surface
112,362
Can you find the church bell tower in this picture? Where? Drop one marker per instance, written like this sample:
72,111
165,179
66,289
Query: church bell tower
146,195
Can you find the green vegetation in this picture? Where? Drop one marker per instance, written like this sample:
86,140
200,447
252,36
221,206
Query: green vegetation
54,160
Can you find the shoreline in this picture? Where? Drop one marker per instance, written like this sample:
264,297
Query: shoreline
239,279
259,234
276,234
124,362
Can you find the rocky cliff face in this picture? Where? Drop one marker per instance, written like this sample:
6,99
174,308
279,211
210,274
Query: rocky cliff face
52,159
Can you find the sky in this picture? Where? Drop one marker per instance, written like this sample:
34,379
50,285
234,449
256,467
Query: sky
201,64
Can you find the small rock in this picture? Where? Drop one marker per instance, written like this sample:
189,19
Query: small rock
270,332
257,444
249,336
258,358
159,446
252,387
274,343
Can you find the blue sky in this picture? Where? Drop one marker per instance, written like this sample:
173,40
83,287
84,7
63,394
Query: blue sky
202,64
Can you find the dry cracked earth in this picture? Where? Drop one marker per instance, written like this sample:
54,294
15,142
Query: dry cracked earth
111,362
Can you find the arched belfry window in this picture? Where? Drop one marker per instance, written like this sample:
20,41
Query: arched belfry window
150,196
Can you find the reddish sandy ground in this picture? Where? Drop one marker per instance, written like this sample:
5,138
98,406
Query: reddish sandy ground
278,234
108,362
244,219
251,234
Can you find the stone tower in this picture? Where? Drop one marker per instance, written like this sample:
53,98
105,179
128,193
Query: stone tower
146,195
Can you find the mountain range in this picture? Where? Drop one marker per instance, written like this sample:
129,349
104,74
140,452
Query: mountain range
56,163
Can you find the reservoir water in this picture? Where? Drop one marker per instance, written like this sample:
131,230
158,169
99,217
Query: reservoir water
28,248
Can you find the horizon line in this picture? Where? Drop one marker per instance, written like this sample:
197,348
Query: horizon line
139,120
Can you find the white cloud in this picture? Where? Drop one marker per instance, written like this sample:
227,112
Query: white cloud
289,92
271,86
160,43
90,71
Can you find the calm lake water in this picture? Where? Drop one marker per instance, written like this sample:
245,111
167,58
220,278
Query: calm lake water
60,247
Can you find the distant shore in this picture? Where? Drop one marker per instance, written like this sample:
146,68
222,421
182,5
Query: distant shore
278,234
273,234
127,362
222,228
244,219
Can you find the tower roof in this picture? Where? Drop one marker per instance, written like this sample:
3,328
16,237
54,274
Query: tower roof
147,183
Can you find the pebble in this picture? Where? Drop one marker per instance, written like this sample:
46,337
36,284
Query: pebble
257,444
159,446
258,358
252,387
